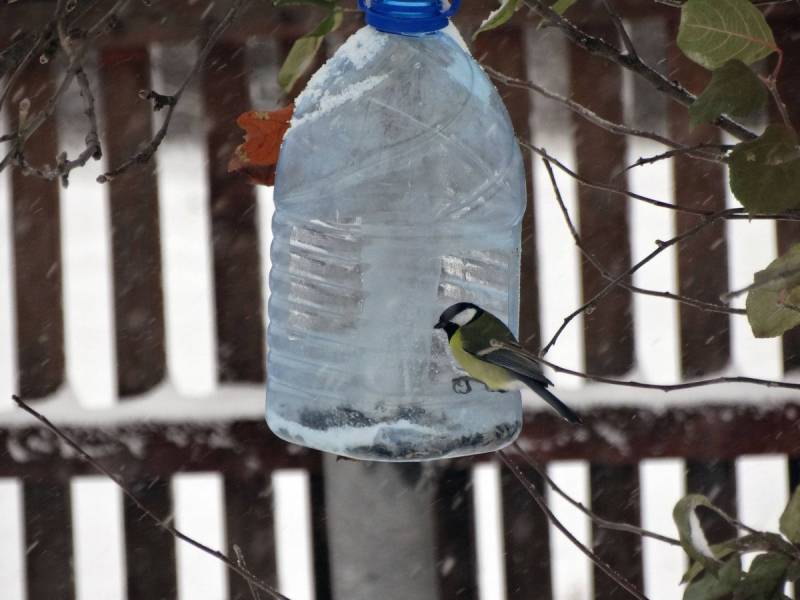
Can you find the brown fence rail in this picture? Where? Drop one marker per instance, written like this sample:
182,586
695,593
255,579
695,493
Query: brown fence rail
710,438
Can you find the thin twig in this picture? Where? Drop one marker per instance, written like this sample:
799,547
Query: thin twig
648,160
166,526
240,561
701,304
630,271
610,188
669,387
663,387
598,520
762,282
589,114
171,101
732,521
17,71
620,27
772,85
602,49
534,493
92,147
30,125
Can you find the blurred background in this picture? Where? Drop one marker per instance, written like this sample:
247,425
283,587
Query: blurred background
133,314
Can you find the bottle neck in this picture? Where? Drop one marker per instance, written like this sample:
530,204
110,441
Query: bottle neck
408,16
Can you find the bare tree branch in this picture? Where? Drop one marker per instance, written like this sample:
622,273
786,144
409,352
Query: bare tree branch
648,160
700,212
598,520
602,49
593,117
46,33
240,561
708,306
163,524
534,493
707,221
92,148
671,387
771,84
779,276
29,125
620,27
171,101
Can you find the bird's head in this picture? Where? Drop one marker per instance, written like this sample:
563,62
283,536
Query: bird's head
458,315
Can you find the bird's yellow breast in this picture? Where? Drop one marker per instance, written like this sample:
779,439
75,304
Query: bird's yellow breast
495,378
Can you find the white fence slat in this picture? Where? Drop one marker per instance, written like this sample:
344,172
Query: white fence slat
98,538
293,533
199,513
571,569
489,531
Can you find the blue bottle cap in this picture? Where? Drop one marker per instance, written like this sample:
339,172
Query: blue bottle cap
408,16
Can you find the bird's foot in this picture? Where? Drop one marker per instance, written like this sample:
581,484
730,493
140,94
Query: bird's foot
461,385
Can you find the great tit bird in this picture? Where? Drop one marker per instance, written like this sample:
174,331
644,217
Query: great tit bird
487,350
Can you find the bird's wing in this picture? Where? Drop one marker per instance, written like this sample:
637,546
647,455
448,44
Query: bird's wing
502,349
516,359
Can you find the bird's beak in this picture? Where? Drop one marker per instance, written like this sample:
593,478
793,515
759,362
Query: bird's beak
439,325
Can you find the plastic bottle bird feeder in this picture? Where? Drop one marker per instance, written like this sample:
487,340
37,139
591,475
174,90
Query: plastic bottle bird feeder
400,190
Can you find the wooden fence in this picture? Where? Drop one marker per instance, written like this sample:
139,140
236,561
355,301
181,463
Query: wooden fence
708,439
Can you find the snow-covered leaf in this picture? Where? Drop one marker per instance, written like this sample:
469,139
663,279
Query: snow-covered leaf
734,90
772,309
303,50
498,16
765,172
790,519
691,534
712,32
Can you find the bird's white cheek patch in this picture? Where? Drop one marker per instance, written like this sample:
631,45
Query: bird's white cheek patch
464,317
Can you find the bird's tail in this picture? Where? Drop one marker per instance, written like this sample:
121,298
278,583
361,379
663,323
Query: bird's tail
562,409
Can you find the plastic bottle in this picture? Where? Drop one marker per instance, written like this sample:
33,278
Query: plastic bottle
400,190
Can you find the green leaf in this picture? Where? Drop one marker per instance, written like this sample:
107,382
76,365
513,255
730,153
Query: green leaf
776,287
303,50
765,579
691,534
793,572
734,90
712,32
498,16
561,6
716,587
790,519
765,172
752,542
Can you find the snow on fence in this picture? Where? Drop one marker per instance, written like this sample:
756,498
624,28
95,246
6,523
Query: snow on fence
133,314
